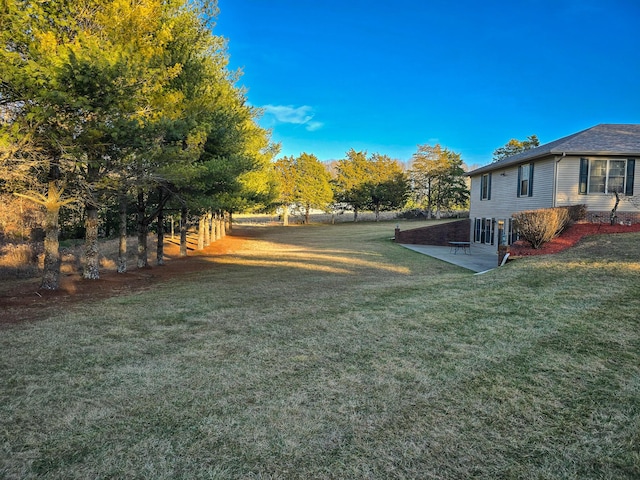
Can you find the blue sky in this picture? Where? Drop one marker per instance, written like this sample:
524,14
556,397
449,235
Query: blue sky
385,76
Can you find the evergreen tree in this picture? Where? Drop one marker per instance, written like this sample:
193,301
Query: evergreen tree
387,187
514,146
286,179
376,183
304,182
103,97
313,189
351,178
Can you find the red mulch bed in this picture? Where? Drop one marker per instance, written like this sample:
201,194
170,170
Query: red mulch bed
570,237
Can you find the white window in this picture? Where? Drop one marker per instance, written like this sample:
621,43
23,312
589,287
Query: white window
525,180
606,176
485,187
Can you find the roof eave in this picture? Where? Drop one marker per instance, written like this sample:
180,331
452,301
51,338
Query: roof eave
510,162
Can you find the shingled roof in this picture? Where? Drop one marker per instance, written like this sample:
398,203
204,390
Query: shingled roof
603,139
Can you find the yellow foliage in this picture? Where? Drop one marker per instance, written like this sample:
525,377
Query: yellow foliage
47,43
52,201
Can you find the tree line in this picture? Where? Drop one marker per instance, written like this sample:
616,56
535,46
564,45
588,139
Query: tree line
125,112
435,181
128,103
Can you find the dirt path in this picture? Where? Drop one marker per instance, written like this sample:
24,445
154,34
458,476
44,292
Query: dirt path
27,302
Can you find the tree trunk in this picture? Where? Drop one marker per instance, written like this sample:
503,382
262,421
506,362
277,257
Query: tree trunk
230,221
142,231
183,231
223,225
285,215
220,226
160,227
207,228
613,217
307,214
91,269
122,244
212,226
201,232
52,260
215,228
377,210
429,200
355,214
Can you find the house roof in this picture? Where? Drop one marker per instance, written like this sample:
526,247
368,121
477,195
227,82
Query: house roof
603,139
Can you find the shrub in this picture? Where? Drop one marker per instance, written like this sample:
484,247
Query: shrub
16,255
18,217
576,213
539,226
18,261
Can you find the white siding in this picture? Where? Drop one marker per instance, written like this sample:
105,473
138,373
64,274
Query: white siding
567,189
504,192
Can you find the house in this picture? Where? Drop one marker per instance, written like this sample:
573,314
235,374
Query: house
588,168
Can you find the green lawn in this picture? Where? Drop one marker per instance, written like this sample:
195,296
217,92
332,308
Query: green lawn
330,352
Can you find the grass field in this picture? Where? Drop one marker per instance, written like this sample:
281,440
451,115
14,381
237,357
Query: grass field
330,352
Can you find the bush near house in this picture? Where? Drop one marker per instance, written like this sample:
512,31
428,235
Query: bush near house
539,226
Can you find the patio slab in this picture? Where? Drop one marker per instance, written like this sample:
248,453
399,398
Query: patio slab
480,258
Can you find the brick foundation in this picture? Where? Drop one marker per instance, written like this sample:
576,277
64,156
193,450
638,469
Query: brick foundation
440,234
604,217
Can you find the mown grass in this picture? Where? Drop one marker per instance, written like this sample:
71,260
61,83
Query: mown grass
330,352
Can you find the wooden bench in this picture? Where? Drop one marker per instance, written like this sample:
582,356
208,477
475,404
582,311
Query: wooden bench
464,246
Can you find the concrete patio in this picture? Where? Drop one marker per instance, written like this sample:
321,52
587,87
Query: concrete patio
479,259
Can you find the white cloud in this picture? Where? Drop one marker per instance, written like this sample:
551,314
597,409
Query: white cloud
296,115
313,126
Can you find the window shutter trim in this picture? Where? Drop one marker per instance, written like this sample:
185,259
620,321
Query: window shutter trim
584,176
489,187
631,168
519,180
531,179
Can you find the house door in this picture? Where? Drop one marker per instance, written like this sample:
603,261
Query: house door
488,231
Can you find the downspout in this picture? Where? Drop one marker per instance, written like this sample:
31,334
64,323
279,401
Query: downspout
555,180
